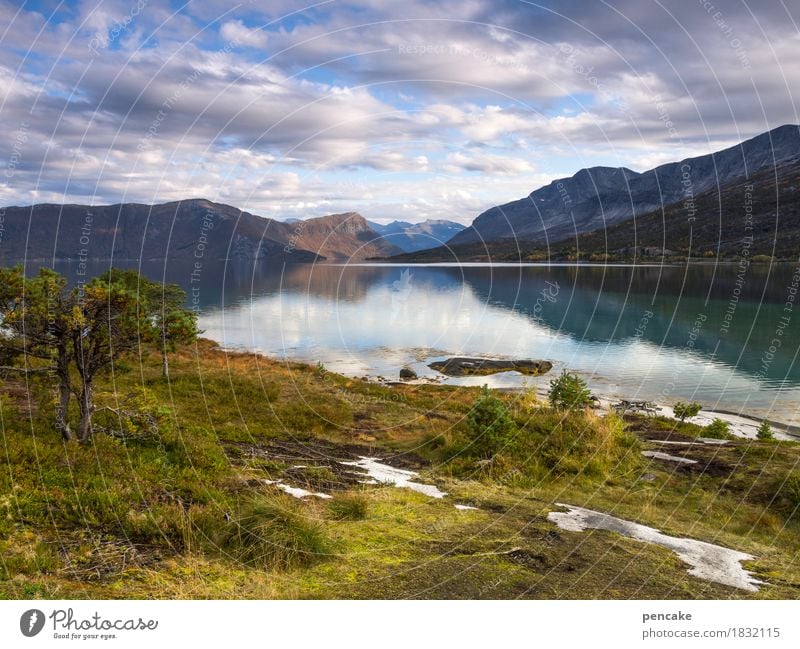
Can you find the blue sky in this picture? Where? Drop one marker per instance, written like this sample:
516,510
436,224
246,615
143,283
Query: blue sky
406,109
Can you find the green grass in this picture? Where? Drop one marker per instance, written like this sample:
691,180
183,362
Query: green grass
349,507
273,532
179,509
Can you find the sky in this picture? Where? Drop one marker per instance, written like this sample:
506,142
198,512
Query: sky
398,109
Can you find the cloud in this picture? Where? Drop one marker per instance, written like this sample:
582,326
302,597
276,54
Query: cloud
410,109
236,32
488,164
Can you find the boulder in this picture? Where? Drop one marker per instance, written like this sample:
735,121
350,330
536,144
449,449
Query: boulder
459,366
407,374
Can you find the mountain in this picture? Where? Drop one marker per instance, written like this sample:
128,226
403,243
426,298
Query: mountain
603,196
411,237
190,229
739,220
341,236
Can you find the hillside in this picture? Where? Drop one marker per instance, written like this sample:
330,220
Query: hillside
604,196
411,237
165,504
721,228
340,237
181,230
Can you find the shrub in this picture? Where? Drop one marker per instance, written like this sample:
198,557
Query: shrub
527,402
686,410
587,445
764,431
348,507
138,416
786,498
717,429
274,532
569,392
489,425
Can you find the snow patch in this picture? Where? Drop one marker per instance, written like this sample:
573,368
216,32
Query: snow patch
379,472
708,561
658,455
702,440
297,492
465,507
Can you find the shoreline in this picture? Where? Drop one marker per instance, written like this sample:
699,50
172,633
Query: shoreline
742,425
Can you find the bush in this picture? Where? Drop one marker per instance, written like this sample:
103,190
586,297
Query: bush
717,429
349,507
274,532
569,392
138,416
786,498
587,445
764,431
686,410
489,426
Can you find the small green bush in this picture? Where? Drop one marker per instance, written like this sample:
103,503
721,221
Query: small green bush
786,498
569,392
489,426
349,507
683,411
273,532
764,431
717,429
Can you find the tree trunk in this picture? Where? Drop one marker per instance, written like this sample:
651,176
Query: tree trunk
62,411
87,409
64,394
164,364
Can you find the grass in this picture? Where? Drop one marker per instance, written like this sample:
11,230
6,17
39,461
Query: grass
349,507
274,532
176,505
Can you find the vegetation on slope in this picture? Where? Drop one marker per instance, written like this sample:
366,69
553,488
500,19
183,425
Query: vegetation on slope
178,492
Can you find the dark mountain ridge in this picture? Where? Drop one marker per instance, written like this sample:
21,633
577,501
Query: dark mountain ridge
188,229
600,197
739,221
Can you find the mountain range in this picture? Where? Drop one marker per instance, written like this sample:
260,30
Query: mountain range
411,237
707,206
189,229
614,209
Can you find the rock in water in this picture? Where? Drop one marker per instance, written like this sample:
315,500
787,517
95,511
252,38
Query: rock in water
459,366
407,374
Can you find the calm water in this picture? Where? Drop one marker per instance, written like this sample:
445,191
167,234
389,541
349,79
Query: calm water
661,333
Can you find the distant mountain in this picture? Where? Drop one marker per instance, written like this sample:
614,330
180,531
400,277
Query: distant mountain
190,229
411,237
604,196
341,236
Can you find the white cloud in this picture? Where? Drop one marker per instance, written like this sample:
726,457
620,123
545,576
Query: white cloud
498,98
235,31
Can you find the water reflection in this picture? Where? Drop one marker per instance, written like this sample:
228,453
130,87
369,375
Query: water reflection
660,333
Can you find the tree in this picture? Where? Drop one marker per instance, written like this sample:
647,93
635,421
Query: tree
90,327
168,322
34,313
569,392
764,431
489,424
717,429
106,323
685,410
